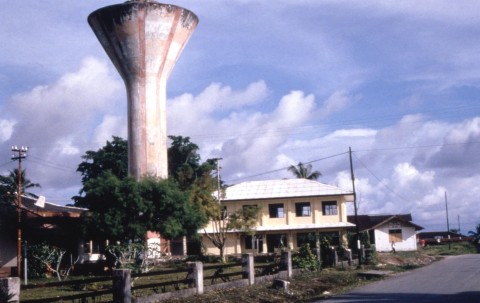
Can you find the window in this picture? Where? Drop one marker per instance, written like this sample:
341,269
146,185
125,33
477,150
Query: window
395,235
329,208
254,242
276,210
276,241
302,209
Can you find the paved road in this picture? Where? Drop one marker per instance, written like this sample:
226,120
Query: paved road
454,279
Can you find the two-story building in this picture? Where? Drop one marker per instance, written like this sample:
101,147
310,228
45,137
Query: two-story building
291,212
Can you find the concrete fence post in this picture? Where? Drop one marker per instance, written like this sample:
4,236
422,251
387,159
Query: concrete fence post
248,268
318,253
333,251
196,274
286,262
11,287
122,292
348,254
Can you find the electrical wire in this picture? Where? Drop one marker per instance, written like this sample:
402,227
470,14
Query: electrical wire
378,179
6,163
50,164
282,169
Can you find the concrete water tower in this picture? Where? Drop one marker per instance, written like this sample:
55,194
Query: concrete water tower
144,40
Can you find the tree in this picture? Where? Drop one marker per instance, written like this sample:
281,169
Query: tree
303,171
8,217
115,209
183,161
124,210
200,181
11,182
243,221
8,197
476,233
112,157
47,258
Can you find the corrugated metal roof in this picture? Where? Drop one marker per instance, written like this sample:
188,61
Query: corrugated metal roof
267,189
29,203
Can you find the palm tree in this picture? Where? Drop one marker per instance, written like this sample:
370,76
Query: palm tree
11,181
303,171
475,234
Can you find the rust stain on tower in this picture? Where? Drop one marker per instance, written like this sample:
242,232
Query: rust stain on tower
144,40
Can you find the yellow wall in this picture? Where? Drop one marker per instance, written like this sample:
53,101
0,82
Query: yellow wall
290,217
234,244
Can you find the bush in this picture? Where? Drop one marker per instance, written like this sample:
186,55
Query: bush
306,259
4,295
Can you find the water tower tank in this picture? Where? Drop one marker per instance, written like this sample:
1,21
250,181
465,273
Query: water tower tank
144,40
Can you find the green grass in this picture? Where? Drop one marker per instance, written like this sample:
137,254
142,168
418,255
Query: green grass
83,288
456,248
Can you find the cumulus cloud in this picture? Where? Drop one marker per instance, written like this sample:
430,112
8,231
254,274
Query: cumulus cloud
66,107
338,101
58,121
459,148
405,176
6,129
108,127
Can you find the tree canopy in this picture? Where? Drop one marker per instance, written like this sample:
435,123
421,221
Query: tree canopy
304,171
123,209
10,182
8,196
112,157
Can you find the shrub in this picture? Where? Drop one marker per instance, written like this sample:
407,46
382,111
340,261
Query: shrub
306,259
4,295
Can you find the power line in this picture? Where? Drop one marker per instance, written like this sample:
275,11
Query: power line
283,169
6,163
50,164
418,146
380,181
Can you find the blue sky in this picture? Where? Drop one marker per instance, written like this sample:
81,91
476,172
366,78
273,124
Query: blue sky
267,84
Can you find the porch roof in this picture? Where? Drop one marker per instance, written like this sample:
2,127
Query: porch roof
295,227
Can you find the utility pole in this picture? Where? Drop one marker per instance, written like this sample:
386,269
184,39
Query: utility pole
458,220
448,224
19,154
355,207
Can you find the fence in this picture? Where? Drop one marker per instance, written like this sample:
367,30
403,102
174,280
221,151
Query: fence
190,281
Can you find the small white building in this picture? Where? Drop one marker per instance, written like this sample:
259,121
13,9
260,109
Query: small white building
389,231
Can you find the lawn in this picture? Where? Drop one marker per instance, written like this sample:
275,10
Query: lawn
443,249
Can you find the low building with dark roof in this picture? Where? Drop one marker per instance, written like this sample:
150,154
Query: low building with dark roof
389,232
42,221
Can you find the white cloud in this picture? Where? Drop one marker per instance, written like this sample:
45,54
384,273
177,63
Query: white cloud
64,146
110,126
6,129
406,175
57,121
338,101
67,107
